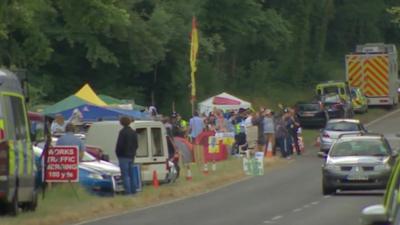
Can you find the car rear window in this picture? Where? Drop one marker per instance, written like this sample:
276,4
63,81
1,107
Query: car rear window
342,126
309,107
360,148
332,99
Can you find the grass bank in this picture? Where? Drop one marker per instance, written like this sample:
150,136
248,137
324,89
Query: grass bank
66,204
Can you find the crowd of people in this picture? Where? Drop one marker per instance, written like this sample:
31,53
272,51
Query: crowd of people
276,130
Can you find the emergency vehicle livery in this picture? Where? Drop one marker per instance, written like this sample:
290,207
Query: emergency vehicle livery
17,173
373,68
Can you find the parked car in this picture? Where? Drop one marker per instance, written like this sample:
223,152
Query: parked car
388,212
358,162
152,153
358,100
311,114
336,127
336,106
96,176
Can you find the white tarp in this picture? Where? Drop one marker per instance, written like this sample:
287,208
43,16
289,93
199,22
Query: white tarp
208,106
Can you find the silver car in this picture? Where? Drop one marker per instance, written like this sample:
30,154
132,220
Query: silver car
357,162
336,127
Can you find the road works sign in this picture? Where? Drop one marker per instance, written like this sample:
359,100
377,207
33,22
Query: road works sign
61,164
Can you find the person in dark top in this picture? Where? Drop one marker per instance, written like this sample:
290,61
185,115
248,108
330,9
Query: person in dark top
127,144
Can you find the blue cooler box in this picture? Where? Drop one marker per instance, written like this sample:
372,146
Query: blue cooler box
137,177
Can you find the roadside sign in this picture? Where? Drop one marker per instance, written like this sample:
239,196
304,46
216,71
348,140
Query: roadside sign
254,166
61,164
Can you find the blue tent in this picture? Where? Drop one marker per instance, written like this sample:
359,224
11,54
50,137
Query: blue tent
95,113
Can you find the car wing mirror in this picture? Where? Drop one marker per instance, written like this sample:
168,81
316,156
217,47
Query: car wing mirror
374,215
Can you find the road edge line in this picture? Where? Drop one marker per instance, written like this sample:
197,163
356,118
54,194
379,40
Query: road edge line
382,118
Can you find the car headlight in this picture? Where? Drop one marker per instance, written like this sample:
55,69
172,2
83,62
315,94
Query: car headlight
96,176
332,167
383,166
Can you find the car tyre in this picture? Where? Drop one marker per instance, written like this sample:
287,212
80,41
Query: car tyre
326,189
31,206
13,205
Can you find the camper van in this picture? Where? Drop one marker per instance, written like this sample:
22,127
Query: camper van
17,171
152,153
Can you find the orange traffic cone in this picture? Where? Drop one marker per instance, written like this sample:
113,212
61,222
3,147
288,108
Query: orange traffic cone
155,179
269,150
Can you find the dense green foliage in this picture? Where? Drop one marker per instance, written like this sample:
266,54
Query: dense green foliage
140,48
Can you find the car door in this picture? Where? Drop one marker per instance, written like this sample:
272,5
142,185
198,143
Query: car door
392,192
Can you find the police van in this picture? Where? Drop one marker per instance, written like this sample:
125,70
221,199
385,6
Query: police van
17,173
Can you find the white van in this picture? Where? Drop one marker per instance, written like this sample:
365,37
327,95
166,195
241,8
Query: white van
152,153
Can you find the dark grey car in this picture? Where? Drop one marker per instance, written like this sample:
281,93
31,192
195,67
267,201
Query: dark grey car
357,162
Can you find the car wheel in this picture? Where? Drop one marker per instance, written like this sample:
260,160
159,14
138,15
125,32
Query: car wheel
13,205
31,206
326,189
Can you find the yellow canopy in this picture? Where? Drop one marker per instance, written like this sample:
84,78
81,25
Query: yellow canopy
86,93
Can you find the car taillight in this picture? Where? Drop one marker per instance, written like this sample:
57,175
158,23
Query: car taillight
2,134
4,158
325,135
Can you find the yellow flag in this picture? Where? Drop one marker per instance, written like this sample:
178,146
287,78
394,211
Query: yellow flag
194,46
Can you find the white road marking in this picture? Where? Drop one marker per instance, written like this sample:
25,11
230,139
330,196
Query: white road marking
297,210
269,222
306,206
315,203
382,118
277,217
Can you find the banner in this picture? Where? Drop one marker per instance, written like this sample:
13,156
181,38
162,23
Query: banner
194,46
61,164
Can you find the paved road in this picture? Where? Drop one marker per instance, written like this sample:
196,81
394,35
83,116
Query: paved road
289,195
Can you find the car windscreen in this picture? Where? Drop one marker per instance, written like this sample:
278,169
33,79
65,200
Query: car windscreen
309,107
88,158
342,126
365,147
331,89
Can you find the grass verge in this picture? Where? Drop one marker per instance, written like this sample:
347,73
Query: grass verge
63,205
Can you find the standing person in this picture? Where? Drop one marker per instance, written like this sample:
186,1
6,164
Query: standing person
294,128
58,125
258,120
287,119
281,134
269,129
70,139
127,144
196,126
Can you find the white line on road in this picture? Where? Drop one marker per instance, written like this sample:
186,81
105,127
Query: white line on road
306,206
315,203
269,222
382,118
277,217
297,210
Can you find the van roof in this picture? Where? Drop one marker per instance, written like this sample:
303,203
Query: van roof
9,81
